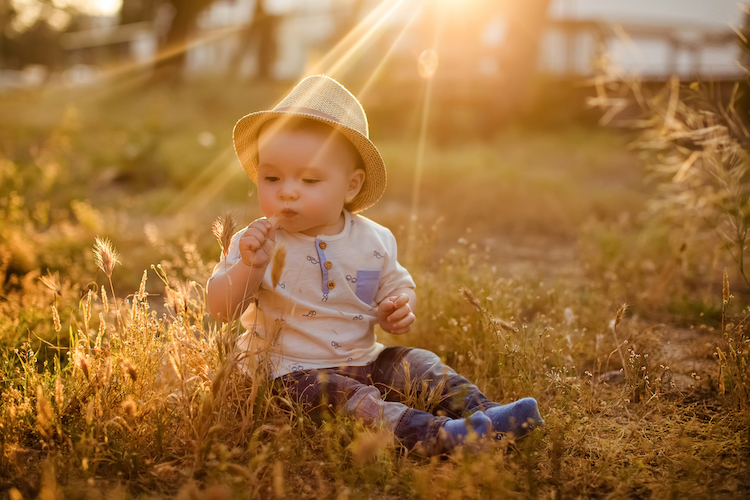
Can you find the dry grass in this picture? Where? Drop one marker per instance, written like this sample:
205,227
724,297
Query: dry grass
140,394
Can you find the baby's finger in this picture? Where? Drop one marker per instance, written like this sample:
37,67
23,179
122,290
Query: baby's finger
401,332
399,314
404,323
401,300
386,306
250,242
262,226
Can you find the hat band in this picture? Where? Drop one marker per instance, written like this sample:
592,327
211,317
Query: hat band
307,111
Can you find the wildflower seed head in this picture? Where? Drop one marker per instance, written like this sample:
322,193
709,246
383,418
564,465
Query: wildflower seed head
223,228
142,289
43,409
471,298
105,301
277,264
56,319
52,281
82,363
105,255
129,406
59,398
87,307
725,287
620,314
130,369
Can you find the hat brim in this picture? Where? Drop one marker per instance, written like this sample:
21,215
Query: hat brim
245,137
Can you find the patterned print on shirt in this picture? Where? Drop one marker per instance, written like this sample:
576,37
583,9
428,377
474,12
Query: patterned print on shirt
335,344
312,260
311,314
377,254
351,278
358,317
325,297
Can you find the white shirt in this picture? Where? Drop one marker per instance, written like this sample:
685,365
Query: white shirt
323,311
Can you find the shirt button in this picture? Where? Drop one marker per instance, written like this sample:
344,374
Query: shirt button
328,265
331,285
322,245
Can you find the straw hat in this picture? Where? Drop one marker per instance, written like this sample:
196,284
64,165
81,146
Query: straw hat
325,100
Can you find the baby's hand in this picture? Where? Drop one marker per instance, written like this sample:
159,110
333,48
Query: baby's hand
257,243
395,315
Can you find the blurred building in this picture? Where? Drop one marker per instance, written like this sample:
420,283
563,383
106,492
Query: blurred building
654,39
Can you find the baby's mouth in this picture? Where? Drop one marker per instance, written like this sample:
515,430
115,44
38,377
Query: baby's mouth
287,212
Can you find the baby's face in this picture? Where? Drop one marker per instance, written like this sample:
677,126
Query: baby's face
305,177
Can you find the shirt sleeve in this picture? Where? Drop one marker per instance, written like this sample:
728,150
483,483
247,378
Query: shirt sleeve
394,276
233,256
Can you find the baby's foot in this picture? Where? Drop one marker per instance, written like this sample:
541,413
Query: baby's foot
456,432
519,417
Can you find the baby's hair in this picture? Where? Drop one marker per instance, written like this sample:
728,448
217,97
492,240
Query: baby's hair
300,123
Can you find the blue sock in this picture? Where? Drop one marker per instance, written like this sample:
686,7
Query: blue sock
457,430
519,417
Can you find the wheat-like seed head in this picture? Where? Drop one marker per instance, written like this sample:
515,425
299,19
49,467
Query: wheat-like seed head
105,255
224,228
620,314
43,410
471,298
82,363
277,264
56,318
59,398
725,287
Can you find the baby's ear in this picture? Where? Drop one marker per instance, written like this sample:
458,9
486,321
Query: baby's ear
355,184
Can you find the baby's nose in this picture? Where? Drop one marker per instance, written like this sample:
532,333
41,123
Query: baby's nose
288,191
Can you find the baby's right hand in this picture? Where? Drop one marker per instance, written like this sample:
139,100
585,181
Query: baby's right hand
257,243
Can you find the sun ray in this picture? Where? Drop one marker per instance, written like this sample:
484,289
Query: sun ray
208,184
340,54
421,147
379,68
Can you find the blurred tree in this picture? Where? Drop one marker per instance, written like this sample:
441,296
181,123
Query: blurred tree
173,48
520,55
134,11
30,32
260,33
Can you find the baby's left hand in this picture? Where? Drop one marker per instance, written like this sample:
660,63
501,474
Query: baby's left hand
395,314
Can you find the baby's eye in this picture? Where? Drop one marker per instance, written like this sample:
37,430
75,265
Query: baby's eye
271,178
310,181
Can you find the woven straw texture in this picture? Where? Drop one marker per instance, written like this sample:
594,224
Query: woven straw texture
325,100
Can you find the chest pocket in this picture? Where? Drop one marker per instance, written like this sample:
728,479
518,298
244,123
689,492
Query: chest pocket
367,285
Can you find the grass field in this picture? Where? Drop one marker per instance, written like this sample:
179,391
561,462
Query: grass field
525,248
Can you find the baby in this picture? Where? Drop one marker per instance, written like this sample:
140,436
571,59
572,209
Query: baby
316,169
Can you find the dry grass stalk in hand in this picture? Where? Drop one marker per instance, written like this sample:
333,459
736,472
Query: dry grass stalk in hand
105,255
278,260
224,228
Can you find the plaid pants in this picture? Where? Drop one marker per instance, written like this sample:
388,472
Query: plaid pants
374,392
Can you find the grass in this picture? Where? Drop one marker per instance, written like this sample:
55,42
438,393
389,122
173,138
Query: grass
139,396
